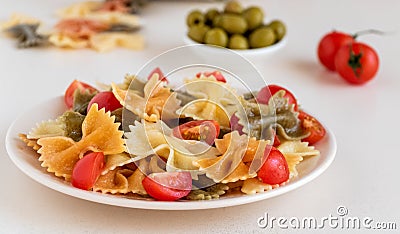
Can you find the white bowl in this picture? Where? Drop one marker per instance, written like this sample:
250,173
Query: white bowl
249,52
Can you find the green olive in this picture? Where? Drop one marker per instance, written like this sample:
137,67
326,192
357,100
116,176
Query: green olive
216,36
194,18
254,17
211,14
216,23
262,37
233,23
279,29
233,7
238,42
197,32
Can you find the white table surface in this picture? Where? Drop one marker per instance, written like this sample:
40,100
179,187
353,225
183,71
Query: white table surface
365,119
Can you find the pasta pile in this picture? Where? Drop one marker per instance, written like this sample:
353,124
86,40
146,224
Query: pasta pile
147,145
101,26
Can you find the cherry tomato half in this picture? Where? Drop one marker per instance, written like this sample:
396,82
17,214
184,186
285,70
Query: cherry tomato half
158,71
218,75
275,169
105,100
168,186
76,85
309,123
329,45
199,130
268,91
357,63
87,170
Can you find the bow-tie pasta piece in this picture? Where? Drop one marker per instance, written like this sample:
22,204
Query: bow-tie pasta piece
157,100
104,42
215,100
298,148
99,134
29,142
254,185
17,19
147,139
116,160
115,181
294,151
212,192
228,167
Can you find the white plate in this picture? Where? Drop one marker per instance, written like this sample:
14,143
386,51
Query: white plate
249,52
26,160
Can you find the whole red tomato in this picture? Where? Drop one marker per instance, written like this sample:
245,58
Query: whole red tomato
329,45
357,62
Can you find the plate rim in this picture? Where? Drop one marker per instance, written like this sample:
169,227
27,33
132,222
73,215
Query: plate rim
108,199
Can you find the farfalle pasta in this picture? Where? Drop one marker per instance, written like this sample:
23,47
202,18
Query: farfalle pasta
151,144
101,26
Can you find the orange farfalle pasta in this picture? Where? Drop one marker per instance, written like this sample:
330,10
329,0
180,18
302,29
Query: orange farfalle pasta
29,142
81,28
157,100
99,134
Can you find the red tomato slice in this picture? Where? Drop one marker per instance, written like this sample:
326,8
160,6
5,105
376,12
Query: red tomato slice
218,75
158,71
275,169
87,170
105,100
76,85
309,123
168,186
268,91
199,130
277,142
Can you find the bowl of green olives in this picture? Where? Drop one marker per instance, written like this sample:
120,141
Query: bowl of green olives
243,30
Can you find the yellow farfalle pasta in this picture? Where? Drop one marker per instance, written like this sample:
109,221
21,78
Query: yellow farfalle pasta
157,100
104,42
294,151
16,19
215,100
99,134
116,160
63,41
298,148
254,185
113,17
292,160
146,139
48,128
228,167
115,181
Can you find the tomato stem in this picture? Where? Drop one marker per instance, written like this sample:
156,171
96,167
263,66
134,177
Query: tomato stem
369,31
354,62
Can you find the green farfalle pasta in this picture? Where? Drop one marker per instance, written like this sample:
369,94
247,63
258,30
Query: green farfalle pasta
73,124
81,100
278,116
212,192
